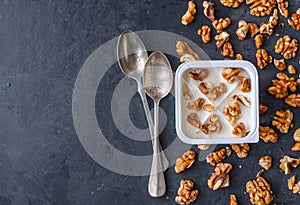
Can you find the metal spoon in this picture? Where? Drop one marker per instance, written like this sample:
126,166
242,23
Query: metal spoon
158,81
132,56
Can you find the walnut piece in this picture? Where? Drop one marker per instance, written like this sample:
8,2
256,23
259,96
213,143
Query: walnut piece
231,3
196,105
242,30
230,74
240,130
227,49
287,162
253,28
296,135
209,10
268,27
287,47
268,134
245,84
233,200
282,6
263,58
242,99
208,107
216,157
261,7
203,146
205,88
233,113
217,92
296,146
239,57
198,74
188,17
185,52
259,40
292,70
241,149
221,38
295,20
204,31
293,100
259,191
185,162
283,120
221,23
220,176
281,86
186,92
292,185
265,162
262,108
280,64
186,192
212,125
194,120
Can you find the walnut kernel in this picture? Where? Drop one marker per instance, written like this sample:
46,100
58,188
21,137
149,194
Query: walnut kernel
217,91
283,120
259,191
185,162
194,120
203,146
231,3
262,108
241,149
230,74
212,125
282,6
216,157
242,30
265,162
263,58
186,192
233,200
281,86
245,85
293,100
208,107
233,113
221,38
292,70
196,105
198,74
253,28
240,130
268,134
268,27
185,52
261,7
227,49
287,162
242,99
287,47
296,146
204,31
188,17
295,20
280,64
296,135
220,176
209,10
220,24
259,40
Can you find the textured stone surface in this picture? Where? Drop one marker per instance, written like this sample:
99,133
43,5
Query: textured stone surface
43,45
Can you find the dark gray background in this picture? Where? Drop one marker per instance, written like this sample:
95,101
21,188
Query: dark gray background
43,45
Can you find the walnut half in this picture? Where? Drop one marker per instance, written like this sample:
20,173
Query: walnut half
209,10
241,149
286,46
265,162
188,17
185,52
267,134
259,191
293,100
186,192
216,157
287,162
263,58
295,20
185,162
220,176
204,31
240,130
283,120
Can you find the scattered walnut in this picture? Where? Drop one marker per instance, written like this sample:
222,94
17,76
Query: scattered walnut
185,162
209,10
212,125
186,92
217,91
204,31
282,85
296,135
263,58
240,130
221,38
227,49
265,162
280,64
185,52
242,30
239,57
205,87
261,7
194,120
293,100
287,162
292,185
216,157
230,74
268,27
286,46
241,149
220,176
186,192
253,28
245,85
259,191
295,20
203,146
198,74
221,23
283,120
240,98
196,105
231,3
188,17
259,40
268,134
262,108
233,113
208,107
292,70
282,6
296,146
233,200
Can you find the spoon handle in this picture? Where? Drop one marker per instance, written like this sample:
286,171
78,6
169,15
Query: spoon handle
157,184
165,162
